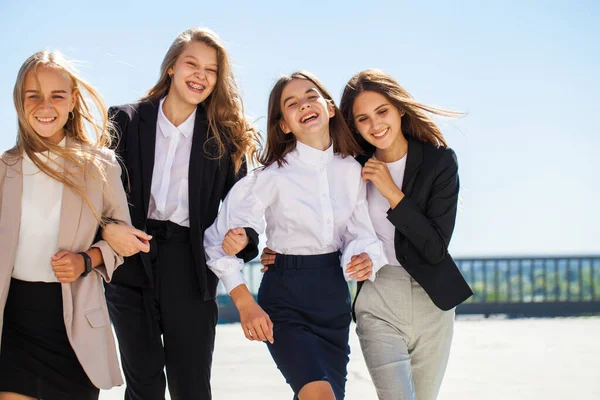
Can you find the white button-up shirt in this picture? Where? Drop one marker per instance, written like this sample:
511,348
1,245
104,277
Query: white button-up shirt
314,204
169,195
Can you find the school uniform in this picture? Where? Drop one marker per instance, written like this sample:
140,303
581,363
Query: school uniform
405,318
175,183
315,215
56,340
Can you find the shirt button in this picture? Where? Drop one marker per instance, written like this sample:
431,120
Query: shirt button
328,221
322,169
324,195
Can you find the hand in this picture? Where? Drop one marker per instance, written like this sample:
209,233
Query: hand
378,173
235,241
360,267
256,324
267,258
67,266
125,240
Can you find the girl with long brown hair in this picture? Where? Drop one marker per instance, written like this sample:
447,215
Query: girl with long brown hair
405,317
57,186
184,145
313,200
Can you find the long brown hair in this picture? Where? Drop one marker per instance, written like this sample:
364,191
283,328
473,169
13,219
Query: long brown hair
279,144
88,154
415,122
224,108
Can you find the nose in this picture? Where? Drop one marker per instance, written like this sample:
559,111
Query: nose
201,73
44,103
304,104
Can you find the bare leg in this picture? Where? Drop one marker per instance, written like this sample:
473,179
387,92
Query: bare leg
14,396
318,390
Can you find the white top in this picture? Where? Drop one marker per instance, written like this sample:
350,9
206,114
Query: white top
379,206
315,203
40,219
169,197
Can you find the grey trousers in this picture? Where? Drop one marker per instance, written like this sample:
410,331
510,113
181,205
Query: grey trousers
404,337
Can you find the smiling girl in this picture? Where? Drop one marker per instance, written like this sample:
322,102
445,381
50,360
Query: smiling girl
314,202
405,318
57,185
184,145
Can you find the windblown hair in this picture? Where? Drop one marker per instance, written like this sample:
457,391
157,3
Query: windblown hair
224,108
415,122
89,152
279,144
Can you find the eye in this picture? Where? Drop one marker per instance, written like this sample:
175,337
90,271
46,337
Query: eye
361,119
33,97
382,112
193,64
58,97
214,71
312,97
292,104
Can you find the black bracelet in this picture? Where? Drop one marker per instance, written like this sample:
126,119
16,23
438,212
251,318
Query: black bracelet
88,263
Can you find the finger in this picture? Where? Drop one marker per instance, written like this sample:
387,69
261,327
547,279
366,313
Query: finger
61,268
252,332
60,263
141,235
228,249
267,250
60,254
264,269
246,332
357,269
267,260
260,335
143,246
267,329
366,274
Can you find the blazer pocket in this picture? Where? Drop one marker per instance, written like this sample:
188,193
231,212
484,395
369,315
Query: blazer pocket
97,317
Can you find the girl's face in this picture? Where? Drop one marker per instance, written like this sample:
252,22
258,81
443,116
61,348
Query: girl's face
305,111
194,75
377,120
48,101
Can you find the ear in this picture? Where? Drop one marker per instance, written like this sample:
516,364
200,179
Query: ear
402,112
284,127
170,72
330,109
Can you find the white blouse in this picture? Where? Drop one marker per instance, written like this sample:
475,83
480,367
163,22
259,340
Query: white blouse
315,203
169,190
40,219
379,207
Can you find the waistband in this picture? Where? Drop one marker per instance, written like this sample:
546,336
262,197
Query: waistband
167,230
314,261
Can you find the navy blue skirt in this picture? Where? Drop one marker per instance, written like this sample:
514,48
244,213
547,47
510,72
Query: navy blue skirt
308,301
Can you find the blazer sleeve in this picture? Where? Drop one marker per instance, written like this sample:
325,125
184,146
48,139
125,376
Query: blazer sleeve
120,122
115,208
430,232
249,252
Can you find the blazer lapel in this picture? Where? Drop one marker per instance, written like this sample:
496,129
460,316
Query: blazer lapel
72,204
201,173
147,134
413,164
10,215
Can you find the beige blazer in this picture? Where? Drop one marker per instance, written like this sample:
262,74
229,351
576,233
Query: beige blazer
85,311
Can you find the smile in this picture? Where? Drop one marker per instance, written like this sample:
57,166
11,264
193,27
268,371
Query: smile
308,117
380,133
195,86
45,120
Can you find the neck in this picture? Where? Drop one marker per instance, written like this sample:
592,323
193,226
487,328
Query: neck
395,151
319,142
175,110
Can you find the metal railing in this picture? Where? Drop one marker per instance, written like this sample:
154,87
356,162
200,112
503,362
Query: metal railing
515,286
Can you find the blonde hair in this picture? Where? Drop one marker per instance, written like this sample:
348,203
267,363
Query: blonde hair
86,155
416,120
224,107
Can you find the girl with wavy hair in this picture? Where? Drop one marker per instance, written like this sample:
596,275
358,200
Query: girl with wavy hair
183,145
57,186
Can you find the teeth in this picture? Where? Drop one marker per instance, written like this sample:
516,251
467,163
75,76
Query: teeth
195,86
308,116
380,134
45,119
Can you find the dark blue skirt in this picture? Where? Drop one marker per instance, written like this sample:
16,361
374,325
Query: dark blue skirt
308,301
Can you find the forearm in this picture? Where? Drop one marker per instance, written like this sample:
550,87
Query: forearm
96,256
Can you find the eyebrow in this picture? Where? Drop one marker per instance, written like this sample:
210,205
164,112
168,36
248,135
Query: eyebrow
194,58
383,105
37,91
291,97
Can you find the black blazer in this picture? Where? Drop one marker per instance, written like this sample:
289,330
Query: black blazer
424,221
210,179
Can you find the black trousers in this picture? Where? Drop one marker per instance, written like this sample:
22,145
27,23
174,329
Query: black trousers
173,308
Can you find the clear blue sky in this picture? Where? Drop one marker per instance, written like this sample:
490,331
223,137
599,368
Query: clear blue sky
526,72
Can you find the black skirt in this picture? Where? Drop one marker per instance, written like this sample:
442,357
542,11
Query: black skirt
308,301
36,358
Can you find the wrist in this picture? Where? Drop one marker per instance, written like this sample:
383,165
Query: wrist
87,263
395,197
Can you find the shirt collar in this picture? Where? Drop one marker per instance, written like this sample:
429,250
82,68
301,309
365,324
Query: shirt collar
310,155
167,128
